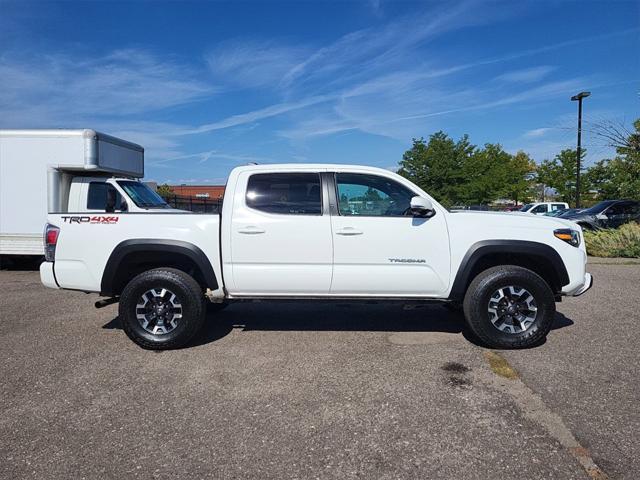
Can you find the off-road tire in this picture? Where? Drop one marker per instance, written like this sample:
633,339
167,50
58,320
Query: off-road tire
477,297
190,296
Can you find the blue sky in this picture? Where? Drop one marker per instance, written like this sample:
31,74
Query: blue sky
206,86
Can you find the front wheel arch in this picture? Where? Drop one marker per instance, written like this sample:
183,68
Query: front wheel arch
535,256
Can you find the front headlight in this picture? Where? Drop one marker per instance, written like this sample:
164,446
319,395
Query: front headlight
572,237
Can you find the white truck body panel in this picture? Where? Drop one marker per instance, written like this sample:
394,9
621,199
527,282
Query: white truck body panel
468,228
257,254
79,263
33,166
267,254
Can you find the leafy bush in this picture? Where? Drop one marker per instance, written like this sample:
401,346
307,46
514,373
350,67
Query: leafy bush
620,242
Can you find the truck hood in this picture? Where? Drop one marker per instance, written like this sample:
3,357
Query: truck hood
512,219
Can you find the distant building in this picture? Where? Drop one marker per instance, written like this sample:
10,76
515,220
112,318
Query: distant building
209,192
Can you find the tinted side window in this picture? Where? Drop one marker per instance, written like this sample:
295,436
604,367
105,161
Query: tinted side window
285,193
630,208
616,209
539,209
371,196
97,196
634,208
557,206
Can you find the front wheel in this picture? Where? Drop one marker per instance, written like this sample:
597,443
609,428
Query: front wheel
509,307
162,308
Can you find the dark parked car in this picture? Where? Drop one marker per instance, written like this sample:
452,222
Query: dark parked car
564,212
607,214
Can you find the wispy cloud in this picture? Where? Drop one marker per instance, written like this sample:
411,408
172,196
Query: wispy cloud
359,93
361,53
52,88
526,75
253,63
398,78
537,132
255,115
203,157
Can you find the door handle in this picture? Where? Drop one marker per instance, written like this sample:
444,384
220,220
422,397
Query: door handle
348,231
251,230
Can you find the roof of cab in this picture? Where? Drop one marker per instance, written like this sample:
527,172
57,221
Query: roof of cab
322,167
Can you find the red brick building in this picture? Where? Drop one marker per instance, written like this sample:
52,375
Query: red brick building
210,192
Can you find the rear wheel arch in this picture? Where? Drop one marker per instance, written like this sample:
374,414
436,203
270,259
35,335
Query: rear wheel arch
132,257
535,256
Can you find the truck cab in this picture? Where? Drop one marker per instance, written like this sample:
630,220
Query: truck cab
103,194
543,208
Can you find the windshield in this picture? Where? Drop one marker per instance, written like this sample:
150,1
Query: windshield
526,207
142,195
598,208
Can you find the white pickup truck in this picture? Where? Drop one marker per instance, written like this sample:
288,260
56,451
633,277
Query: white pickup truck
316,232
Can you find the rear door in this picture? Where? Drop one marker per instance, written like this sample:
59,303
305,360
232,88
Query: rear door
280,235
379,247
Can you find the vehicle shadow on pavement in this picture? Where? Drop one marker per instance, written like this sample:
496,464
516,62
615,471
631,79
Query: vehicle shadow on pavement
318,316
21,264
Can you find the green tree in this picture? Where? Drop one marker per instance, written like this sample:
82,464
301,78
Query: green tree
560,174
520,177
436,165
485,174
619,177
371,195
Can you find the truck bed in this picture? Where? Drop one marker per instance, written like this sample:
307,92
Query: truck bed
87,241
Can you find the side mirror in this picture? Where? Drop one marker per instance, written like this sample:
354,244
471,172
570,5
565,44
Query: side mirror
422,207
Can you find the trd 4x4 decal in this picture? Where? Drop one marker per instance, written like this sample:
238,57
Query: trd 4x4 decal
88,219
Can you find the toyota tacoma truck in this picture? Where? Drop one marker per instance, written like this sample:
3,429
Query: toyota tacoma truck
316,232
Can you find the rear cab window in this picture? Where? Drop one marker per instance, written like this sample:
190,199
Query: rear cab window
285,193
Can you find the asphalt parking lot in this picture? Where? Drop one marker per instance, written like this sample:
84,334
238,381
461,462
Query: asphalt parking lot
283,390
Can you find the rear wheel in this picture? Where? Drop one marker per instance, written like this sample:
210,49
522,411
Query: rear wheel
162,308
509,307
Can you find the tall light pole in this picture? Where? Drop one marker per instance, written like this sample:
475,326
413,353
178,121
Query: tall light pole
579,98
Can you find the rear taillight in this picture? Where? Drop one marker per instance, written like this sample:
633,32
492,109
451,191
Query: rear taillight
51,233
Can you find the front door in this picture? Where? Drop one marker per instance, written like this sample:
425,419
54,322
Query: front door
280,236
621,213
379,247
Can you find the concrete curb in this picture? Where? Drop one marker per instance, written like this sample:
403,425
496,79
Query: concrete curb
613,261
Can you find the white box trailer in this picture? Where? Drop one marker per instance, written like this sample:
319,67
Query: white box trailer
37,168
